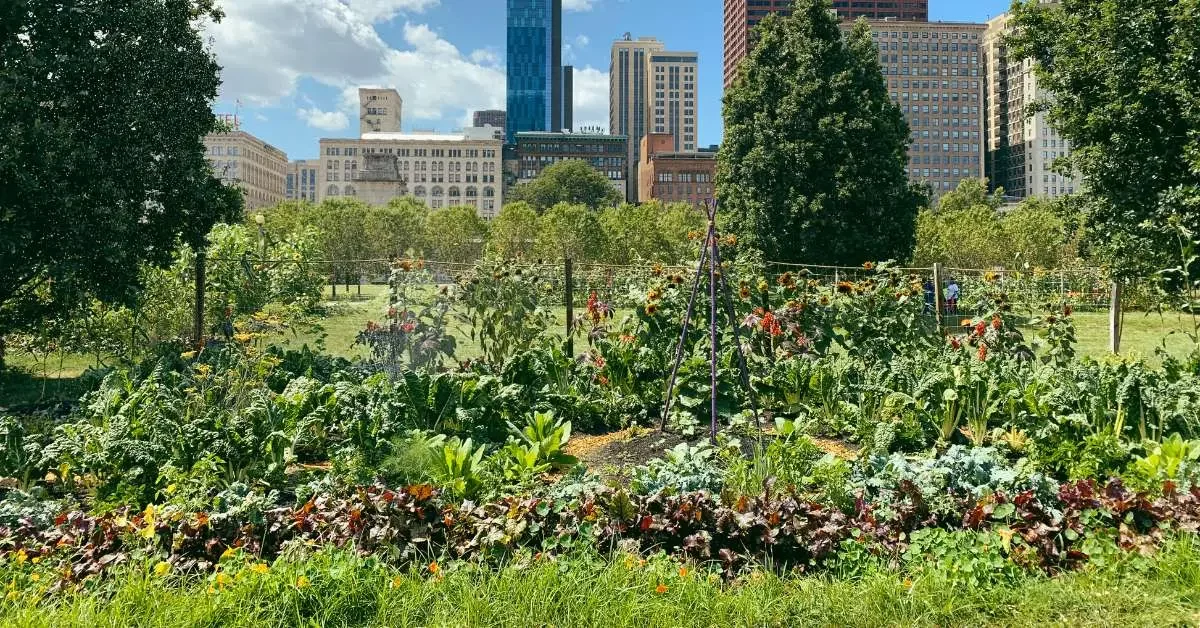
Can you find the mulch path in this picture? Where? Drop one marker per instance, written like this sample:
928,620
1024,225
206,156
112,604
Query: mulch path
621,450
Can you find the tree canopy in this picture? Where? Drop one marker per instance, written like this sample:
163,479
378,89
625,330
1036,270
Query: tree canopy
103,107
812,168
1125,79
570,181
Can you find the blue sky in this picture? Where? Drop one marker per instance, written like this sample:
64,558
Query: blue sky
294,64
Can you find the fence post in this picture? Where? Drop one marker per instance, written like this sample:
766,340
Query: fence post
1114,319
569,301
198,314
937,294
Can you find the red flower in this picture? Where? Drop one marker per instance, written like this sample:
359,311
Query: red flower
770,325
408,327
1067,310
982,352
955,342
996,322
980,327
602,380
599,361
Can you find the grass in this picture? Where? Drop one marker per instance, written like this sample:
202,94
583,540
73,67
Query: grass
338,589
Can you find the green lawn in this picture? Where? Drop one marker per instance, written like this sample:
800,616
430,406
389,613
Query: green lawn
337,589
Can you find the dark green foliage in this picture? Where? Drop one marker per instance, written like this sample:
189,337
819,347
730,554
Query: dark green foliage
103,105
1125,75
812,168
571,181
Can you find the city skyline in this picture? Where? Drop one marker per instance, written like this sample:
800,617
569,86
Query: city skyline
295,90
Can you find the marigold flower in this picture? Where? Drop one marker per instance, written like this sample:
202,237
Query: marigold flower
260,568
660,589
303,582
868,265
683,572
35,576
162,568
434,568
396,582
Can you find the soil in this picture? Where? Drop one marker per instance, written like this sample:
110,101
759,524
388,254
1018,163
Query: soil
609,454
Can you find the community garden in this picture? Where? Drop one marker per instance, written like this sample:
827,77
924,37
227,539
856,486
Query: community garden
875,453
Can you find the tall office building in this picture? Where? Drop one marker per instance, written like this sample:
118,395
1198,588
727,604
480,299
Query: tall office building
379,110
301,182
1020,149
741,16
673,97
629,93
935,74
568,98
534,66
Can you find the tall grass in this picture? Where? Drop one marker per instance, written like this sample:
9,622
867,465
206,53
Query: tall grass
339,589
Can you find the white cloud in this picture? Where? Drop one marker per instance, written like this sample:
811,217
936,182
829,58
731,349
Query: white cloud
582,41
578,5
384,10
267,46
591,97
324,120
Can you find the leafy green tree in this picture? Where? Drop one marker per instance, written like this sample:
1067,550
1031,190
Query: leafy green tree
1125,79
650,231
342,224
103,106
812,168
569,181
968,230
397,228
570,231
455,234
514,231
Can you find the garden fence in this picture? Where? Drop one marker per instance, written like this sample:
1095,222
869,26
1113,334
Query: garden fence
569,285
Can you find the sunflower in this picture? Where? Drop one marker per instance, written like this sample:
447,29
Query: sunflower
651,309
868,265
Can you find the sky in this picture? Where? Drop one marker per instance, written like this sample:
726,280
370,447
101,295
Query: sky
291,68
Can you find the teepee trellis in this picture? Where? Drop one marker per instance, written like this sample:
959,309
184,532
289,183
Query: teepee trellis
718,289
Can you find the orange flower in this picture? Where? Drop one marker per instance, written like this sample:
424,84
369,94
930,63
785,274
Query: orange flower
983,352
660,589
869,265
683,572
434,568
651,309
996,322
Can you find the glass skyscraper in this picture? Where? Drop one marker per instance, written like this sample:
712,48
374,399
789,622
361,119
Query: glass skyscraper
534,67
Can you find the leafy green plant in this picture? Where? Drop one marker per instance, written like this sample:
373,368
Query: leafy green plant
1174,460
684,468
459,467
545,437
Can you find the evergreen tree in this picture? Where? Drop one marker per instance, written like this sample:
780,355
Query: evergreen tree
812,168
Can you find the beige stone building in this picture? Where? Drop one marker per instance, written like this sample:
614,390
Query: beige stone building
379,110
935,73
1020,149
673,97
440,170
651,90
259,169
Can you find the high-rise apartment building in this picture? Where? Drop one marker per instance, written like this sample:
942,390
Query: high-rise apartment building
301,182
441,170
1020,148
534,66
240,159
379,110
741,16
630,92
935,74
673,97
